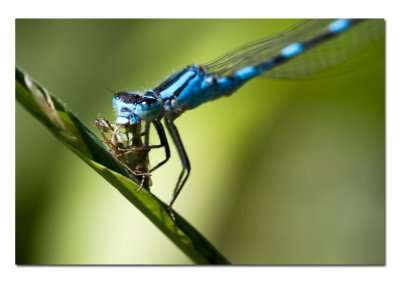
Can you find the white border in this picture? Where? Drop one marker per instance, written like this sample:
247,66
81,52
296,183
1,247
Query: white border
201,9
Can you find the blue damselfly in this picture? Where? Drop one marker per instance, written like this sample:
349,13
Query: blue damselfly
304,50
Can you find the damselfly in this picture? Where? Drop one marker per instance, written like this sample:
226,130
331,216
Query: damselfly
309,47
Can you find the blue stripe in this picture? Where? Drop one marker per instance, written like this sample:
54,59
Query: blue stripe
339,25
169,91
246,73
292,50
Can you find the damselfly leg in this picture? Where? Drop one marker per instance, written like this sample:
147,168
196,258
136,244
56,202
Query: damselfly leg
184,175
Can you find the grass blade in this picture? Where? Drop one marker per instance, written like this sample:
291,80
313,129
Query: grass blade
54,114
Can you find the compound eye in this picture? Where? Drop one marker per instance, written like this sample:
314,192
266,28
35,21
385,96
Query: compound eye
135,95
149,99
128,97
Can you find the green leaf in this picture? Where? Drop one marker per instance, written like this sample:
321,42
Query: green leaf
54,114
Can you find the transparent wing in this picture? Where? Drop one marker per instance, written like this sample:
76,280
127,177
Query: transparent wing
337,50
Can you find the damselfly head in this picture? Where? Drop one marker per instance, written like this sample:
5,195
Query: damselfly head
132,107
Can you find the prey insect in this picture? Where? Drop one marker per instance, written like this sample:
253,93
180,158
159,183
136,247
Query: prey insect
131,147
126,144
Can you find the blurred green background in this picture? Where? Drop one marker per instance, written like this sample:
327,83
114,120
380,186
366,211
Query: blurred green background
284,172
